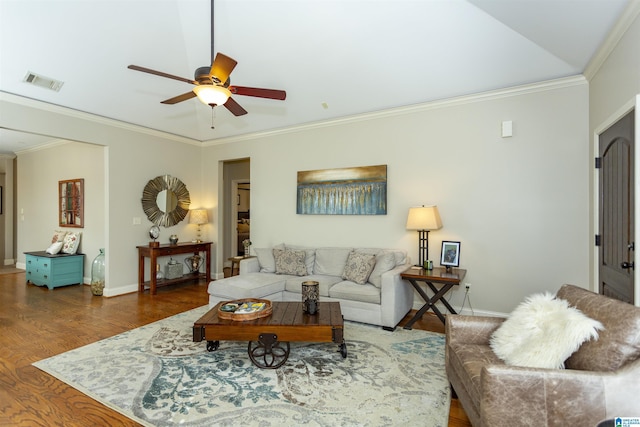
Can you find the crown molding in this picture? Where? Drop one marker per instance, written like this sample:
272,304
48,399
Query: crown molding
628,17
376,115
410,109
50,144
69,112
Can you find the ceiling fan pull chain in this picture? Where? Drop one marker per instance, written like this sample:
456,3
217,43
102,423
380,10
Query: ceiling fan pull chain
213,115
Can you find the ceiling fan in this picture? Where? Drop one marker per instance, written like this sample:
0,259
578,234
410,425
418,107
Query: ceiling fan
213,85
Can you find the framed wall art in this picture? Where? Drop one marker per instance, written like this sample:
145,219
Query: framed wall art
450,254
71,203
345,191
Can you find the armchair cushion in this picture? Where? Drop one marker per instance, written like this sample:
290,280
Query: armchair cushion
543,332
618,344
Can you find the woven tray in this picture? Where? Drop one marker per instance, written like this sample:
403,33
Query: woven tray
240,317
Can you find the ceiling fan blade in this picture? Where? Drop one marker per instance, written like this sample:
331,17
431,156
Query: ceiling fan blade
222,66
179,98
161,74
234,107
259,92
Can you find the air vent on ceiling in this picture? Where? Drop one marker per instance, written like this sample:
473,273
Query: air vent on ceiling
42,81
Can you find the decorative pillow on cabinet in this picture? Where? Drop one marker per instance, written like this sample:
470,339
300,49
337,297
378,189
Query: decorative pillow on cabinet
71,242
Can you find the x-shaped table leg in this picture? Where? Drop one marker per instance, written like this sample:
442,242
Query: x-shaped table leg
430,303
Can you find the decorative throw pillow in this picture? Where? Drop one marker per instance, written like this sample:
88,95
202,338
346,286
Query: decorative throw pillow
290,262
543,332
359,267
310,256
54,248
71,242
58,236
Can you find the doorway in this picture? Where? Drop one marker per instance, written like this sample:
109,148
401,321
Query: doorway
241,215
236,174
616,230
3,218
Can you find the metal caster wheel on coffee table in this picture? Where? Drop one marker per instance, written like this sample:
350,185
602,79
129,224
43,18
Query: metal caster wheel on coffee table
343,350
268,352
213,345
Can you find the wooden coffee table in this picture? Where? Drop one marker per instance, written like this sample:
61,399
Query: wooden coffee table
269,336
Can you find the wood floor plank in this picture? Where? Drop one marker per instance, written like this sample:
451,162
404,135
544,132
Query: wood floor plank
37,323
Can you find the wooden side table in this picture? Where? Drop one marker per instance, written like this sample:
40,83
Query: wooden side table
440,276
153,253
235,260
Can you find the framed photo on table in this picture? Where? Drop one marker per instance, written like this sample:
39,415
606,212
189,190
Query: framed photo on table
450,254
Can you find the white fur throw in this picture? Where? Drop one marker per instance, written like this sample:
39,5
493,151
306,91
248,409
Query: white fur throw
542,332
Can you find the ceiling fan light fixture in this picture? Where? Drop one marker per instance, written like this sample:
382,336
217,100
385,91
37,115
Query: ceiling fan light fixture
211,94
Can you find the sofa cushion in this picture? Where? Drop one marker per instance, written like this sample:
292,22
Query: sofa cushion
400,256
249,285
359,267
355,292
619,342
385,261
289,261
331,261
265,258
294,284
542,332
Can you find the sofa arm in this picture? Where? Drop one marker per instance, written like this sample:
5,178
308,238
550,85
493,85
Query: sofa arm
396,296
249,265
514,395
470,329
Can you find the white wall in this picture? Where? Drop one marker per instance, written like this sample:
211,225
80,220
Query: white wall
132,156
613,91
7,217
519,206
37,204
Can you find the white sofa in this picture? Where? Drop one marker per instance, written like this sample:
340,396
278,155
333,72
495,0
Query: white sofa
383,299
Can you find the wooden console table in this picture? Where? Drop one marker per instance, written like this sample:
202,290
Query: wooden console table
153,253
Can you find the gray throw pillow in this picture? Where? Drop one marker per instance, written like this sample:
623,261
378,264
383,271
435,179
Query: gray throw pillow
359,267
290,262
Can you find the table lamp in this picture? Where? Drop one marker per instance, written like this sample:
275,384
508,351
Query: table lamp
199,217
423,219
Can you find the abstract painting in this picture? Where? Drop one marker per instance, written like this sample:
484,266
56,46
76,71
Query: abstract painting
345,191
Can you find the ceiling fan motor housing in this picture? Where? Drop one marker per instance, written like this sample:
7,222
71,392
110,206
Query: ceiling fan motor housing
202,76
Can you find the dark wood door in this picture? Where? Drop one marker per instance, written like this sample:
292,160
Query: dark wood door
617,205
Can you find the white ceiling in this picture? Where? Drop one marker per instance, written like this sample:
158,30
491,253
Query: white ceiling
355,56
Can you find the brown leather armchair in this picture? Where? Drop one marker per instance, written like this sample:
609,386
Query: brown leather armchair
601,380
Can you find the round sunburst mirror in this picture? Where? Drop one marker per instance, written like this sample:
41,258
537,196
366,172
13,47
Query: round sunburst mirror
165,200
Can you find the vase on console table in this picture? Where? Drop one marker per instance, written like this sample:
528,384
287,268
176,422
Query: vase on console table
193,263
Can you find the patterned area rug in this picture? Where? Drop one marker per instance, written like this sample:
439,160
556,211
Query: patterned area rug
157,376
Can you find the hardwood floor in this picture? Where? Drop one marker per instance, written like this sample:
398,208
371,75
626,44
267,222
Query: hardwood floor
38,323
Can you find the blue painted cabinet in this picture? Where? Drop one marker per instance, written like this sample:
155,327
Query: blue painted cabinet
53,271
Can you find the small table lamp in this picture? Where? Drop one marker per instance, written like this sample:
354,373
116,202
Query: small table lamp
199,217
423,219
